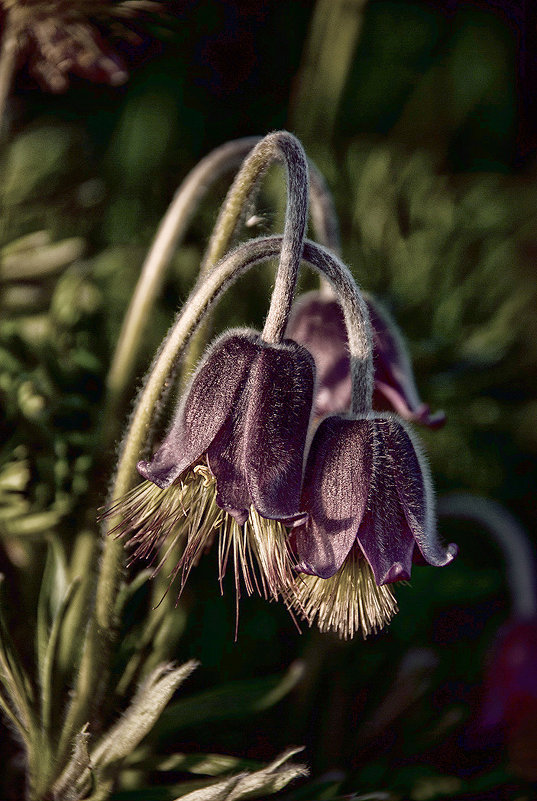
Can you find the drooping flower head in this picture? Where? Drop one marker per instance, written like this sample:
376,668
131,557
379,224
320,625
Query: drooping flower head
369,503
231,464
233,457
317,322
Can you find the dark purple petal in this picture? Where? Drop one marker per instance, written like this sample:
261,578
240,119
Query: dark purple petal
214,395
257,457
395,387
318,323
336,488
225,456
414,487
401,507
280,396
385,538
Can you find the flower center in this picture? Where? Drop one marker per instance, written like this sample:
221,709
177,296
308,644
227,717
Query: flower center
154,521
348,602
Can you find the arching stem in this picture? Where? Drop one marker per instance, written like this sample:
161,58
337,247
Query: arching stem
521,567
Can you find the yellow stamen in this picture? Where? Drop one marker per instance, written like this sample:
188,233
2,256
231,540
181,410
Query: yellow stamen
155,520
348,602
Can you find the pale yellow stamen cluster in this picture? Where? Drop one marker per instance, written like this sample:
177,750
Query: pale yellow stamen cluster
186,514
348,602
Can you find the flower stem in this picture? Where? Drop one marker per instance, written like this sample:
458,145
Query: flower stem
170,232
512,539
8,61
172,229
296,219
207,291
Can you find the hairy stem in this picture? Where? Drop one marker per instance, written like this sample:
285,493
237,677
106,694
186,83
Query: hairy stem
207,291
296,218
8,61
168,237
510,536
173,228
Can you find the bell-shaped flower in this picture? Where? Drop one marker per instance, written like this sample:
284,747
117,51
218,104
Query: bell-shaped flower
367,498
317,322
368,495
231,463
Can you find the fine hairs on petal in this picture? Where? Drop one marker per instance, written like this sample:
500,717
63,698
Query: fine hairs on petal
346,603
155,520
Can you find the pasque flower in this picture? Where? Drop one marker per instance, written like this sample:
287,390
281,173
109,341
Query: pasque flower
232,460
317,322
231,463
369,503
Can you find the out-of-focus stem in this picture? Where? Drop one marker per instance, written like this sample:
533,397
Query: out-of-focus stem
168,237
8,60
521,566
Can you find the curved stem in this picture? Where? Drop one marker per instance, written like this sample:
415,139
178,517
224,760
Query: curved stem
169,234
168,237
296,218
357,323
323,212
206,292
203,296
510,536
8,61
325,222
279,146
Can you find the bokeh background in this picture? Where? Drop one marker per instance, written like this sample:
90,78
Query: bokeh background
421,115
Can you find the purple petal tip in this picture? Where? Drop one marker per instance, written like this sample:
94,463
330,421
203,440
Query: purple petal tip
396,573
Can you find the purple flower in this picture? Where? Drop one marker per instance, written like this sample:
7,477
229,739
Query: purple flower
318,323
369,500
511,682
510,703
231,463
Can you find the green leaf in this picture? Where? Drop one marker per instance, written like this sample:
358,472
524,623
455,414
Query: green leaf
234,700
54,586
138,720
206,764
267,780
16,697
49,659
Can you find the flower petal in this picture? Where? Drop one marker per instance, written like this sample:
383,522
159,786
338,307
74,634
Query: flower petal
213,395
395,387
401,513
414,485
318,323
336,487
257,457
280,396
